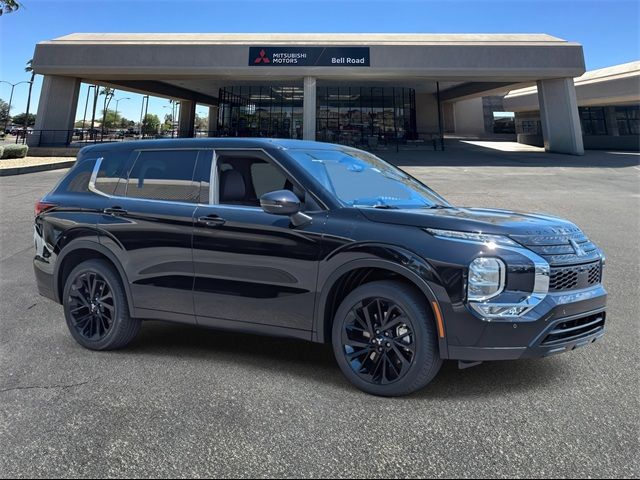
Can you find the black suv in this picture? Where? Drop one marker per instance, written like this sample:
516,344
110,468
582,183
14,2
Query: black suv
313,241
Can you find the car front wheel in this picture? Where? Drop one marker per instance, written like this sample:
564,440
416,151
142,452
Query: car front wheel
385,340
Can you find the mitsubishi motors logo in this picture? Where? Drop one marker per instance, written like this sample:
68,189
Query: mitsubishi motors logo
577,248
262,58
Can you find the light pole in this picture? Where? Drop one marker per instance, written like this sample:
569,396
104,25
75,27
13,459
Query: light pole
116,115
86,104
143,112
13,85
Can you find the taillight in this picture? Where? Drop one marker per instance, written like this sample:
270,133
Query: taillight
42,207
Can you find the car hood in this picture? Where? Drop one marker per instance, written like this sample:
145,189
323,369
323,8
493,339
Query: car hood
493,221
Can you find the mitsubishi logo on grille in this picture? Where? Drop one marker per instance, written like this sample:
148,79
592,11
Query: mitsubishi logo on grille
262,58
577,248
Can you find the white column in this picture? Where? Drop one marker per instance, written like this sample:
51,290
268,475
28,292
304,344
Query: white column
309,109
56,111
213,121
559,116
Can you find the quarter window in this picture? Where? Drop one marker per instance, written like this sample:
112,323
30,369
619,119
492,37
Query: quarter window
165,175
111,171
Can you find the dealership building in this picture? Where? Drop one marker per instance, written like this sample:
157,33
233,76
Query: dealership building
608,107
346,88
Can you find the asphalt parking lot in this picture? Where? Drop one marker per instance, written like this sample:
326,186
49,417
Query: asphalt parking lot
182,401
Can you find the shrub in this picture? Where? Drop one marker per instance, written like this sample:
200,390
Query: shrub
1,150
14,151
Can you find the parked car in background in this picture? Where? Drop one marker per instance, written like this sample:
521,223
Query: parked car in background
313,241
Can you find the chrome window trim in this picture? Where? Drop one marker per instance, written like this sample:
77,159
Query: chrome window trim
213,180
214,198
94,175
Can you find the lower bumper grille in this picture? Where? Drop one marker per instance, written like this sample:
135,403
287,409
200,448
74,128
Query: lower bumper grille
576,329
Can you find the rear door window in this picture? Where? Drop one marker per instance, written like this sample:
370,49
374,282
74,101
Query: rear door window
164,175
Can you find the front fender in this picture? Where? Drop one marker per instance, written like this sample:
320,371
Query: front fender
377,255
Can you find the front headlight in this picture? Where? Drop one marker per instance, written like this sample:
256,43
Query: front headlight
486,279
490,241
487,275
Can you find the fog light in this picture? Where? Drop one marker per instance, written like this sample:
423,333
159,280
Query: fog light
498,311
486,279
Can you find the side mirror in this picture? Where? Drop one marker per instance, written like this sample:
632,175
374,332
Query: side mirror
284,202
280,202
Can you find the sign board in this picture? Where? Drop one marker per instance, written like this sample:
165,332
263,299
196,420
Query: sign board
309,56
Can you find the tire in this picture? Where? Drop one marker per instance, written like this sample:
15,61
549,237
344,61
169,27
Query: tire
378,368
98,323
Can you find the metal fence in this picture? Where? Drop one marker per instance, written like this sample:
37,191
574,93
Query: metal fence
78,138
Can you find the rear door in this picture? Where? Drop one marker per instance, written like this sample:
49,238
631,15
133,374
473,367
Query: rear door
148,223
251,266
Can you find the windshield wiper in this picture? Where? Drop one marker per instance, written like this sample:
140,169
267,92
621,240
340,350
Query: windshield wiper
438,207
385,206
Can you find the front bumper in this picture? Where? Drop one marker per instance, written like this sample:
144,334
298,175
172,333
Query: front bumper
560,323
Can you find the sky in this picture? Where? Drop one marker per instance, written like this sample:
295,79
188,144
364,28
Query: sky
608,29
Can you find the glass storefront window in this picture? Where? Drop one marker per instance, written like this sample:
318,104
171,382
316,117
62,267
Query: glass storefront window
260,111
363,116
592,120
346,115
628,119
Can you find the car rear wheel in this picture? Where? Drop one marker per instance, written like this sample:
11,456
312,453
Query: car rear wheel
96,309
385,339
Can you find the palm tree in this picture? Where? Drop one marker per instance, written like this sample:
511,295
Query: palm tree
8,6
108,95
29,69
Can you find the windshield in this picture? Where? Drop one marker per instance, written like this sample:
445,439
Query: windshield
359,179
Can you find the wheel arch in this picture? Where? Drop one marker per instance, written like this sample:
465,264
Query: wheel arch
328,302
78,251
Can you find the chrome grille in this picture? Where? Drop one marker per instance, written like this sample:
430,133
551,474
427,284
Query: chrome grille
559,250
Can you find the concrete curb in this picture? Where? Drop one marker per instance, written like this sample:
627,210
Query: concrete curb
5,172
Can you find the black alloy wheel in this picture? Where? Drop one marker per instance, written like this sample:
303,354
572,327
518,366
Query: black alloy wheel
96,307
385,339
91,306
378,341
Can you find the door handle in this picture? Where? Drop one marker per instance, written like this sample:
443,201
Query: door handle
211,220
115,211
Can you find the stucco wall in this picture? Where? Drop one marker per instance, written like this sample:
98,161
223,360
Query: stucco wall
469,117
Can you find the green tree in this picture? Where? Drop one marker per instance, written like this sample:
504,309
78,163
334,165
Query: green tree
8,6
150,124
110,119
108,95
202,123
24,118
4,112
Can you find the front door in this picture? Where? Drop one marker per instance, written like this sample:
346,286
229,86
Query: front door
251,266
